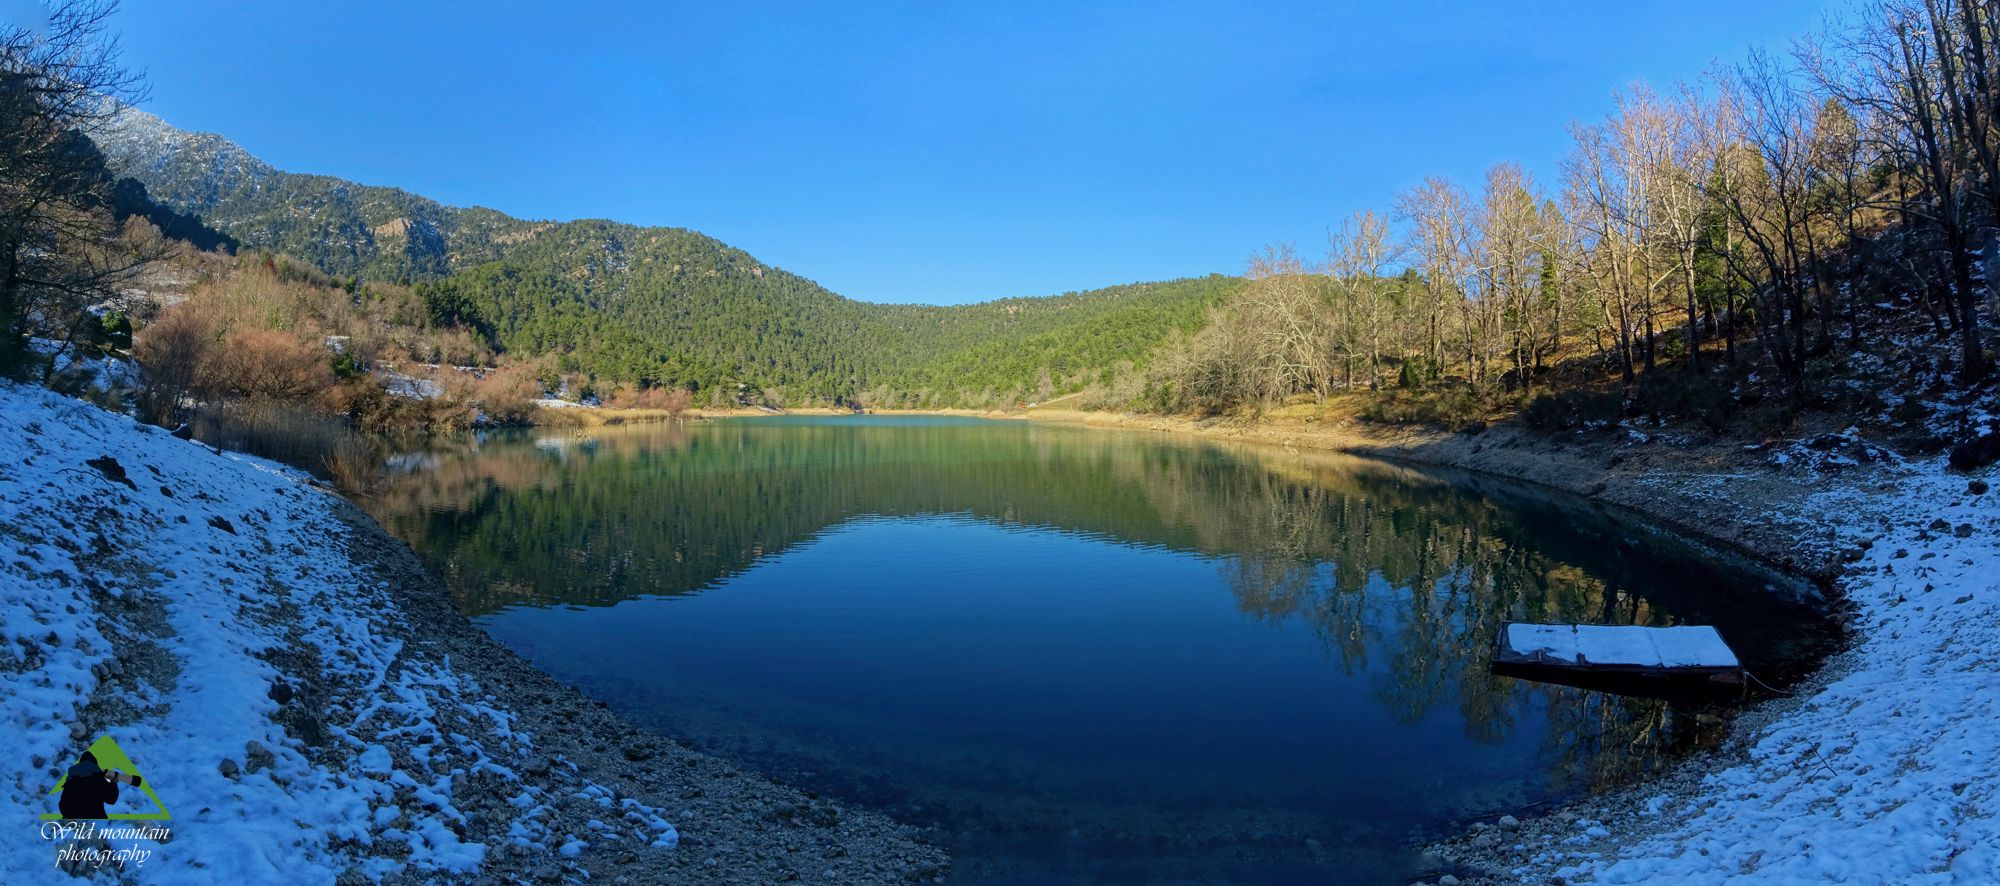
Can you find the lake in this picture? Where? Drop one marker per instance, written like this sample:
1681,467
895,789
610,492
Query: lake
1079,654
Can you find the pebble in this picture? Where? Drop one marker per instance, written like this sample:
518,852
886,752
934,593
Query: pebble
1508,823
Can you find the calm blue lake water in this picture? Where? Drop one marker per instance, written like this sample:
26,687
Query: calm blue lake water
1080,655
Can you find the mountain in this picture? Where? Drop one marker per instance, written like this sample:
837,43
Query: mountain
345,228
657,305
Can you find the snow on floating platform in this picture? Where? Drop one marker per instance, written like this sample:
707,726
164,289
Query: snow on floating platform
1611,646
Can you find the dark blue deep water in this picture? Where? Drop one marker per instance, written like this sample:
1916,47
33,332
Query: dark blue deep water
1081,655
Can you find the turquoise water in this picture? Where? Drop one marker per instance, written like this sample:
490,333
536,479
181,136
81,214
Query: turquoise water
1081,655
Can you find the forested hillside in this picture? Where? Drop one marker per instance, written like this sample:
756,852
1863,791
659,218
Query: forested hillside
1701,251
346,229
1799,234
659,307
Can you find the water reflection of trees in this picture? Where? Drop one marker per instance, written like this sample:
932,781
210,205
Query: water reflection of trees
1401,575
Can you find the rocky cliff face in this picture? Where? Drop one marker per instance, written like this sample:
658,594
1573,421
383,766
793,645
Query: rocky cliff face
344,227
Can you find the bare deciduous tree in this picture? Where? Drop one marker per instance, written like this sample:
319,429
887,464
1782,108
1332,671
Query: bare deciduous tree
60,248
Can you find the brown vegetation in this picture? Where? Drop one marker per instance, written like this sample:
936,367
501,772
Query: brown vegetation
267,364
1705,249
324,444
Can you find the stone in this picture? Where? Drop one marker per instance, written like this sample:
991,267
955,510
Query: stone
1977,452
1976,487
228,769
112,471
1448,880
1508,823
256,756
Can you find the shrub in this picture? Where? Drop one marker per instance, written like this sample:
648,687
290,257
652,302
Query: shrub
1416,374
345,366
1667,396
507,395
1563,410
269,364
116,329
171,353
1911,411
678,401
1451,408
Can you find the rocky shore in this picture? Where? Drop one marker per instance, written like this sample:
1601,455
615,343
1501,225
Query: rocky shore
304,702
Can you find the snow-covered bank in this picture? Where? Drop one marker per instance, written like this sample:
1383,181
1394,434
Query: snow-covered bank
306,705
1884,768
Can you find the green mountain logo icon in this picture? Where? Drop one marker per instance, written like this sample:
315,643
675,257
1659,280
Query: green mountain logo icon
106,761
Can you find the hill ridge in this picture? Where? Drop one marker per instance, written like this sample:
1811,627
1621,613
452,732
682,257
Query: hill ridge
656,305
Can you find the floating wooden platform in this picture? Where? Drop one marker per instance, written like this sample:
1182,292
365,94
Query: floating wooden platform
1656,662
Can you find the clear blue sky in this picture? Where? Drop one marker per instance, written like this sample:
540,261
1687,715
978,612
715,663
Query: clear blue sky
937,152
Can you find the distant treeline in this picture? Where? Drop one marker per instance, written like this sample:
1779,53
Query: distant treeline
670,308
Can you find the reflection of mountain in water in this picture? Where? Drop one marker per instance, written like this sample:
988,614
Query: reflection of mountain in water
1403,575
671,509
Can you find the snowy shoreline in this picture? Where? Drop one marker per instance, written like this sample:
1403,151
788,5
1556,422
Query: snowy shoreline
1879,768
305,702
1876,768
305,699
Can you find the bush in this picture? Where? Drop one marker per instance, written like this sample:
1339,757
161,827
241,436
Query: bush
116,329
507,396
171,353
345,366
1450,409
1416,374
1669,396
1564,410
265,363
